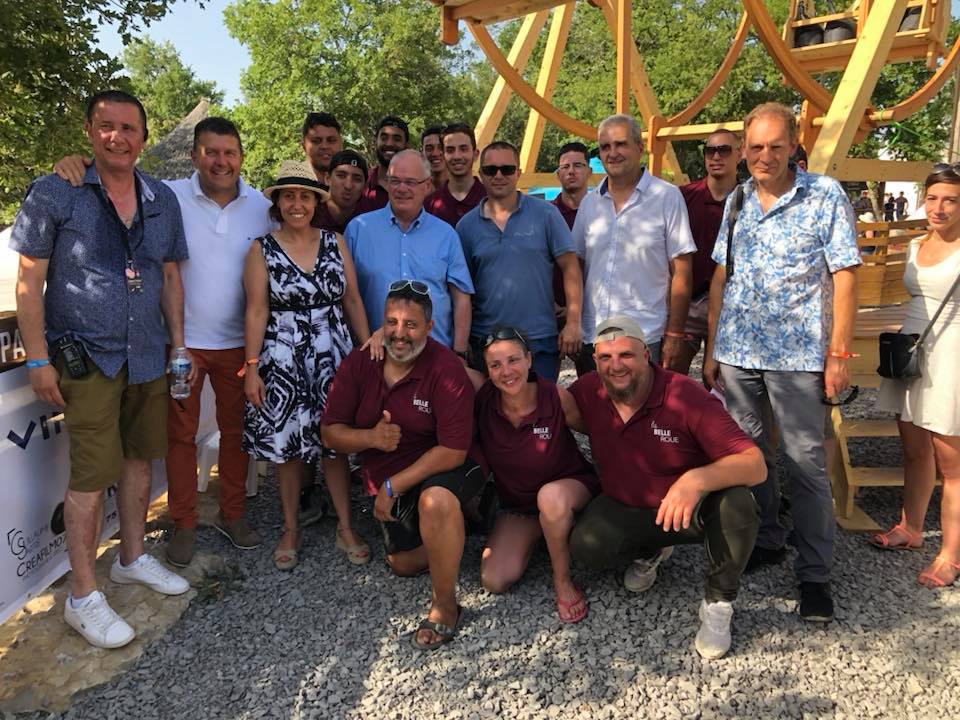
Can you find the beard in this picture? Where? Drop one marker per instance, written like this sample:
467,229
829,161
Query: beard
404,356
621,395
383,159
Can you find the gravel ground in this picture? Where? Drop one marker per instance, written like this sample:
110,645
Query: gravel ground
330,640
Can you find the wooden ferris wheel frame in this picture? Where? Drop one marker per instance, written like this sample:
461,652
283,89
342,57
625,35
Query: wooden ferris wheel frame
830,123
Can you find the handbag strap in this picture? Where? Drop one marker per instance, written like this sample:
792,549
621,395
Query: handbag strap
735,207
943,304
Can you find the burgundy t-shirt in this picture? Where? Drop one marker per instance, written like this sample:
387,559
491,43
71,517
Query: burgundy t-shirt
525,458
569,215
680,427
374,194
327,221
446,207
432,404
705,215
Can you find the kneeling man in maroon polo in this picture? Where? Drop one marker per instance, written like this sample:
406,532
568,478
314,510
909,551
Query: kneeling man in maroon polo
674,469
410,417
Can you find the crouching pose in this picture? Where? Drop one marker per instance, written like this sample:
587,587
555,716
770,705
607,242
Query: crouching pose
410,417
542,479
674,468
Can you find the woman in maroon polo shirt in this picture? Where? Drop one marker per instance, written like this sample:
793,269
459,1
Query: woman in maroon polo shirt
541,477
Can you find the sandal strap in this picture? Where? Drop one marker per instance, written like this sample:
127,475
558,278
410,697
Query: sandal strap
441,629
913,537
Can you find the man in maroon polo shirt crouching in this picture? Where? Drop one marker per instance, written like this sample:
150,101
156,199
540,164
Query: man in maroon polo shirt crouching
674,469
410,417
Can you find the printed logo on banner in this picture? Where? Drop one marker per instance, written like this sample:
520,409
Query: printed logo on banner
21,441
32,548
12,352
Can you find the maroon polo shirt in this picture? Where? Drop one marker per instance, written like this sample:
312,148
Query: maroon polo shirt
446,207
680,427
327,221
432,404
569,215
705,215
524,459
374,194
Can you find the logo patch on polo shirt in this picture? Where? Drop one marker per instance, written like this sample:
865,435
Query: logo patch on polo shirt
542,433
663,434
421,405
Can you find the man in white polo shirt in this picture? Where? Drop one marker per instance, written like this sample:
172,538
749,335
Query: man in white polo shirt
634,237
221,217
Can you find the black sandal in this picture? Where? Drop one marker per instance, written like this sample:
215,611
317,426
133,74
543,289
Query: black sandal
445,632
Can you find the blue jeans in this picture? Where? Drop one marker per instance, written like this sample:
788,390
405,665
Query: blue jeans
794,397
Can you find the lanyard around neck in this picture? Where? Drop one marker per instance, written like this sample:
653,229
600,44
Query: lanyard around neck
112,211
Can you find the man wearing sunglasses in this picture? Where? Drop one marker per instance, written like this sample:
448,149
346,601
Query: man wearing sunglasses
634,237
401,240
410,417
511,242
705,199
782,309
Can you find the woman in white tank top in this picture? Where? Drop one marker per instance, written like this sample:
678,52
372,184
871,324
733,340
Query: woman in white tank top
928,407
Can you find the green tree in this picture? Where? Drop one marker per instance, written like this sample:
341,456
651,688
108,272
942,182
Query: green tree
49,65
358,59
167,88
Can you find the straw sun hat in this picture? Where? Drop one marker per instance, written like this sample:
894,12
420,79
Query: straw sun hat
296,174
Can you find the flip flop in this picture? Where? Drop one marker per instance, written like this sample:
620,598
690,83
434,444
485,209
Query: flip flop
565,605
356,554
445,632
884,541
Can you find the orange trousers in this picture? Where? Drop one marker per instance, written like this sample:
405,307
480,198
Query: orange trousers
183,419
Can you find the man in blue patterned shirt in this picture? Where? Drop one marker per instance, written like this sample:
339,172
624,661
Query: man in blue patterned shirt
781,324
96,344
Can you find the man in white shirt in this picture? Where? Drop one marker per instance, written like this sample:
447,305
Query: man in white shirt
221,217
634,236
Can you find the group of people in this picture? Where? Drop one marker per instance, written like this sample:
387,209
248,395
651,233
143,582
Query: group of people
415,316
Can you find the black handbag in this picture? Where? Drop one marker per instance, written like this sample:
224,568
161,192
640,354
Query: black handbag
901,355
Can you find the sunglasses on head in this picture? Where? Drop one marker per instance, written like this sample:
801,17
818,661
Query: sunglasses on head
505,333
723,151
491,170
415,285
945,167
854,391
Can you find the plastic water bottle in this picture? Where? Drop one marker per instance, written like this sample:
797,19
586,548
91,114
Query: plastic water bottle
180,367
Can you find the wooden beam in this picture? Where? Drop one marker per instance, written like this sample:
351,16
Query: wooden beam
546,82
698,132
522,87
449,28
852,97
883,170
623,39
496,105
490,11
538,180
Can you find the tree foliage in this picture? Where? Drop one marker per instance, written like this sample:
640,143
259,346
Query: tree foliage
49,65
357,59
167,88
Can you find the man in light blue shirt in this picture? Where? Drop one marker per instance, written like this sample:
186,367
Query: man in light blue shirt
781,325
511,242
402,241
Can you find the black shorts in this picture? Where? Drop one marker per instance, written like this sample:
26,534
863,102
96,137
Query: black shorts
465,482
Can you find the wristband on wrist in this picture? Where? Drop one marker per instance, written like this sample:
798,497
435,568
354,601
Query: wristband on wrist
32,364
671,333
243,371
389,487
842,355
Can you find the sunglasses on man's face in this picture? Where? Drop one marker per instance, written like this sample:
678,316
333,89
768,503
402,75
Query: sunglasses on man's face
415,285
491,170
506,333
723,151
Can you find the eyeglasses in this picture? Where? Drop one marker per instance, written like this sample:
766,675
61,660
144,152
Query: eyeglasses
408,183
723,151
947,167
574,166
491,170
415,285
854,391
504,333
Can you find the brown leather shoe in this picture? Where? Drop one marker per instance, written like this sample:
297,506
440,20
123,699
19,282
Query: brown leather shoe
238,532
179,549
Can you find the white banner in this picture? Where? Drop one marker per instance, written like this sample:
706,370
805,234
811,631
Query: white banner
34,470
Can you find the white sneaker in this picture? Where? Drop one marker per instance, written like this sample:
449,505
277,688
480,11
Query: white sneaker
642,574
148,571
97,622
713,637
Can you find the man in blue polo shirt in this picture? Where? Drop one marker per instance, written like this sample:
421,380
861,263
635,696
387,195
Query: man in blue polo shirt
402,240
511,242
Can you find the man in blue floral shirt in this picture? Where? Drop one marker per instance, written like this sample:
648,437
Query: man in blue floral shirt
781,324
